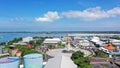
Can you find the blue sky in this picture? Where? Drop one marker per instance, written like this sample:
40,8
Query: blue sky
59,15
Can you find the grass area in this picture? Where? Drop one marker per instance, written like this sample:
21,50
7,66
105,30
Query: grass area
100,53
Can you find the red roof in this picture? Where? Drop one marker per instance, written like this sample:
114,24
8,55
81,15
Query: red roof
29,45
109,47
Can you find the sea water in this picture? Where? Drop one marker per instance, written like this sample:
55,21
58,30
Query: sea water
10,36
4,37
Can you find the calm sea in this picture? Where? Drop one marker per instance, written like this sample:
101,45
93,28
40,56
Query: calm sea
7,36
10,36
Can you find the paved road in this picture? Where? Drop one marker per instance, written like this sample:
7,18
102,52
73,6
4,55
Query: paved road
59,52
86,52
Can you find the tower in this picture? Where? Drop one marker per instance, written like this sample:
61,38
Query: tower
68,40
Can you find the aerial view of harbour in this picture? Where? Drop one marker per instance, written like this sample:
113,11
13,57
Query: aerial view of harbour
59,33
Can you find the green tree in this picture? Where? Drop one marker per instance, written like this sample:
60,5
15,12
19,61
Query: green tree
2,43
80,60
32,42
37,42
25,50
16,40
77,55
84,65
100,53
97,45
60,45
10,42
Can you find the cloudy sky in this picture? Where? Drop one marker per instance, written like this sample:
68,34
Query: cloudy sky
59,15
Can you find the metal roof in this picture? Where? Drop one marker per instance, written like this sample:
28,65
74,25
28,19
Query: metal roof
60,62
54,40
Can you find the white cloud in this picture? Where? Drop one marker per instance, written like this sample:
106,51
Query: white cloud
87,14
93,13
48,17
114,11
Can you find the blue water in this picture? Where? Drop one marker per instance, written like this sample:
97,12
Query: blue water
11,36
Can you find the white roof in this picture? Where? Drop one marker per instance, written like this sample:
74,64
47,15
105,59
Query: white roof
84,41
95,39
28,37
60,62
116,43
101,43
53,40
114,40
21,43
